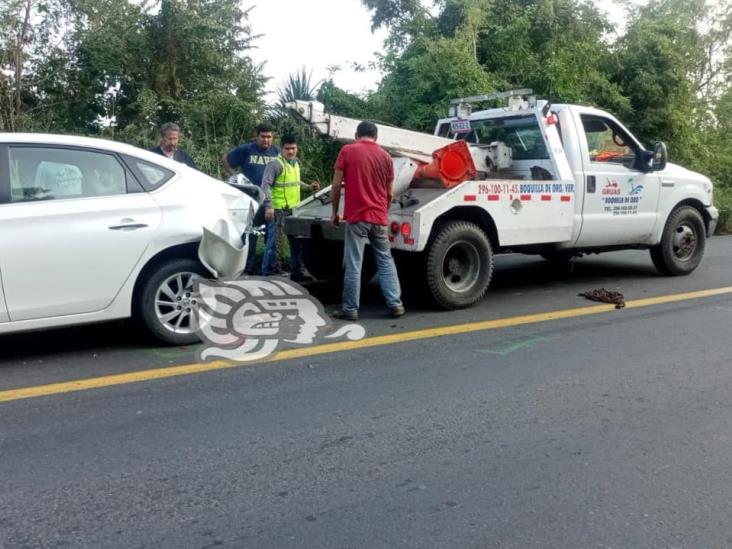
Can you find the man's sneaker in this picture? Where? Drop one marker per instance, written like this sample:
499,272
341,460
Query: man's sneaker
302,277
397,311
345,315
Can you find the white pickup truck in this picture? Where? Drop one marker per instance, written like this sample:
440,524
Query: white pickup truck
534,178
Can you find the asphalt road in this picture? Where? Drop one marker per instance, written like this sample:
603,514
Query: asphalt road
610,430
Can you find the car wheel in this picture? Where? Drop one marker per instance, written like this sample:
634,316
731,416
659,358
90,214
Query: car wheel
459,265
682,243
166,302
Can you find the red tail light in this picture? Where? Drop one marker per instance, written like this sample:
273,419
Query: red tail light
394,227
406,229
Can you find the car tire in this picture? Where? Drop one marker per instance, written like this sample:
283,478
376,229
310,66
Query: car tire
459,264
167,290
682,243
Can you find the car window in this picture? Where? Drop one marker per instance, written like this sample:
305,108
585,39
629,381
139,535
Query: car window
521,133
152,176
48,173
608,142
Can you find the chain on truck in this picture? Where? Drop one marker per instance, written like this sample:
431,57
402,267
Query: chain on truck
531,177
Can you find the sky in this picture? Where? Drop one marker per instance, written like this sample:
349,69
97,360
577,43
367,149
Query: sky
317,34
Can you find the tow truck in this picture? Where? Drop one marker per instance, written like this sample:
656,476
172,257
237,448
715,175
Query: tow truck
529,177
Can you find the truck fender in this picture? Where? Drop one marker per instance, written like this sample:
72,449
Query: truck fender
685,195
473,214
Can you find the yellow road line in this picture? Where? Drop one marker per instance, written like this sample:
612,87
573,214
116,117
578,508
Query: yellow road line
376,341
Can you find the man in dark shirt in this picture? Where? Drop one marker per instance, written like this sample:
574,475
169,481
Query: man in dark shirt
169,135
251,159
368,173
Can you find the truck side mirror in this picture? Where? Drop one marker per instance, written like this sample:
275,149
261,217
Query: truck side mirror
660,156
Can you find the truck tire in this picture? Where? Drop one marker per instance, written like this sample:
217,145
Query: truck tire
165,304
459,264
682,243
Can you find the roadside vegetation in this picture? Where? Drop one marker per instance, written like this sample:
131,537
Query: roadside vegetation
118,68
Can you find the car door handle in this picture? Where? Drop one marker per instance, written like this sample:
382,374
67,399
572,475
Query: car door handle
591,184
128,227
667,182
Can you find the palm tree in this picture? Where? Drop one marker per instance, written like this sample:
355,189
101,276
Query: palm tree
299,85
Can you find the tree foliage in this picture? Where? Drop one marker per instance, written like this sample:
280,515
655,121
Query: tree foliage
298,86
121,68
420,83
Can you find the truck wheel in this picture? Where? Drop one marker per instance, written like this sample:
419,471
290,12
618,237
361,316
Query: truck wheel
165,305
682,243
459,264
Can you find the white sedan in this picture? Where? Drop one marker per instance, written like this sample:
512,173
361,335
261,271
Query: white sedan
94,230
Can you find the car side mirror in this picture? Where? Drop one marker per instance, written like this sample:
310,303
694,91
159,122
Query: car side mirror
660,156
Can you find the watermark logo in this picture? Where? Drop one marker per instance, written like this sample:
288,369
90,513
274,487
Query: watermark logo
250,319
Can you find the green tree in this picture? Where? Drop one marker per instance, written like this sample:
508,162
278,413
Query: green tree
343,103
673,65
556,47
419,84
298,86
123,68
405,19
28,32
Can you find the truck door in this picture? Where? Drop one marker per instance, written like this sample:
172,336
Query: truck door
620,199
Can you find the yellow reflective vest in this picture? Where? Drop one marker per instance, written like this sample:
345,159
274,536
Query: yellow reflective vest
286,187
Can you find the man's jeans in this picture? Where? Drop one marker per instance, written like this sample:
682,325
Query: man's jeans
357,235
273,247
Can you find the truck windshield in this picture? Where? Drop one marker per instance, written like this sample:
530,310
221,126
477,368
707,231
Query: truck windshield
521,133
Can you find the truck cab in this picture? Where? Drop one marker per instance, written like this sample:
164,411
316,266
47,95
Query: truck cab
621,195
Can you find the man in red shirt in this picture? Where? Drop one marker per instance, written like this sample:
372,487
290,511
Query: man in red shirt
368,173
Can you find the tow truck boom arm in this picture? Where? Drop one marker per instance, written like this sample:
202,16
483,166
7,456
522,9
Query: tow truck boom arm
397,141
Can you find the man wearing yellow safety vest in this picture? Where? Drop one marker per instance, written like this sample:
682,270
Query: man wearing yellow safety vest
281,184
